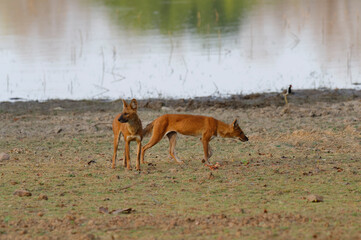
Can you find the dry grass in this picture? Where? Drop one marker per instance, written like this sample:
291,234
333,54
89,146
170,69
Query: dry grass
257,193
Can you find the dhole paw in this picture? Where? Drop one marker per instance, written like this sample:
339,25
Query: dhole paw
204,161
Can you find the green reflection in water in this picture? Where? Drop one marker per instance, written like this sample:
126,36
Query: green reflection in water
168,16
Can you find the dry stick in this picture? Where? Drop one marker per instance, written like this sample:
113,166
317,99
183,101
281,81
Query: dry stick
139,16
126,187
285,96
7,83
44,83
103,67
81,43
114,53
105,123
73,55
155,200
100,87
199,19
171,49
251,47
208,43
349,59
219,44
186,74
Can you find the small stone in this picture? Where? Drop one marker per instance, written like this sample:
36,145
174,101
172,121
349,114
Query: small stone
314,198
312,114
4,156
40,214
42,197
88,237
180,109
14,182
22,193
165,109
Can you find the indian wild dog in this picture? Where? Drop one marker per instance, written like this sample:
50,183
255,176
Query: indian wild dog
129,125
192,125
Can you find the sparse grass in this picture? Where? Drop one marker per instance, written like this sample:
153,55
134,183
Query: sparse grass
257,193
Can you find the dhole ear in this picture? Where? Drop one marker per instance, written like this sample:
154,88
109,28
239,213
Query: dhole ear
124,104
133,104
235,123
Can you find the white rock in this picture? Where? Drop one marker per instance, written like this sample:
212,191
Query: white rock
4,156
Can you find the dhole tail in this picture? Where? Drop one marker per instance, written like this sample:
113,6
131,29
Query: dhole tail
148,129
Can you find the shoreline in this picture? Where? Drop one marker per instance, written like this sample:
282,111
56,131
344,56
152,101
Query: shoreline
256,100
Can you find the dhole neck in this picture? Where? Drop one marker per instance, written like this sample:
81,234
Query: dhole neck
134,125
223,129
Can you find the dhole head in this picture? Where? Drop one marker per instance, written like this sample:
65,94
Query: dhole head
129,111
237,132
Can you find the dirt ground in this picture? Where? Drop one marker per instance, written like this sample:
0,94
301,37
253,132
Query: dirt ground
298,177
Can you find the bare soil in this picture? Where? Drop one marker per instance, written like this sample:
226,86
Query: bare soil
58,183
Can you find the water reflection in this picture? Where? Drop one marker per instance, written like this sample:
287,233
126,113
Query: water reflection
202,16
93,48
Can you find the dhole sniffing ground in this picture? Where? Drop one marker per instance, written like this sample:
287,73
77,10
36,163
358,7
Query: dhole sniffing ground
63,150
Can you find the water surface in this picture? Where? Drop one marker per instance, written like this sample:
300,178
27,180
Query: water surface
88,49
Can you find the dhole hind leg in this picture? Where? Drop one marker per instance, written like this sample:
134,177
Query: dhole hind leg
206,148
172,136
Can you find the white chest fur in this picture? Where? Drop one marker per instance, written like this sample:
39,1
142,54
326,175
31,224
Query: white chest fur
133,137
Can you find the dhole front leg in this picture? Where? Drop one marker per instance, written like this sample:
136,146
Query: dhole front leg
139,148
210,152
127,154
205,149
116,141
124,159
156,137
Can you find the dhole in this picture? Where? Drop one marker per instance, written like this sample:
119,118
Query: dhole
129,124
193,125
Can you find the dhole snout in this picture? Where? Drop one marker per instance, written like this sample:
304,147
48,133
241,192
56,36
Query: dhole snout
244,138
237,131
122,119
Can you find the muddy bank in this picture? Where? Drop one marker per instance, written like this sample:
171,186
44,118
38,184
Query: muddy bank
258,100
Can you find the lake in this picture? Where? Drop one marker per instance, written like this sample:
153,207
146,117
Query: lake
93,49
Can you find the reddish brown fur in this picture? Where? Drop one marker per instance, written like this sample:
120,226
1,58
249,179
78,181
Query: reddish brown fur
128,124
193,125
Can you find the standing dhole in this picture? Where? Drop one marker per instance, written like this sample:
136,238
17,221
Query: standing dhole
129,124
192,125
